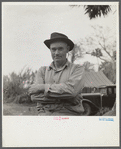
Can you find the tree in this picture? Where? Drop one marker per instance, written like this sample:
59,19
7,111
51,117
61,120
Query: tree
13,86
102,44
97,10
76,53
109,69
97,52
88,66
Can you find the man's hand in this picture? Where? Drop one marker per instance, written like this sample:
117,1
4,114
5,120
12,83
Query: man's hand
36,88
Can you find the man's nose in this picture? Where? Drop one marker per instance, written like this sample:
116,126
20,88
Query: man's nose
57,52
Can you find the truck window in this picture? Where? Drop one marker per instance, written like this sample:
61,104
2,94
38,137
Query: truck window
109,90
103,91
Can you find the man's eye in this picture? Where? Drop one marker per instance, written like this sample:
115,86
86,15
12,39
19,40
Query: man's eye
53,50
60,49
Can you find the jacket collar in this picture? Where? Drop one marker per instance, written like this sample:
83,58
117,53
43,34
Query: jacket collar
53,67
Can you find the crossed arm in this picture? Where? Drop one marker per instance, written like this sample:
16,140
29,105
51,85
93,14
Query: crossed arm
67,90
36,88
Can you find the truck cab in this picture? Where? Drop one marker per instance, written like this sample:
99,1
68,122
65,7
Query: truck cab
94,102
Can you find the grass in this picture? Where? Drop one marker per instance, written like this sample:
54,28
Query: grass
19,109
103,111
14,109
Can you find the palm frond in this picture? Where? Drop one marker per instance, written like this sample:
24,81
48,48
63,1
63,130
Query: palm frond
97,10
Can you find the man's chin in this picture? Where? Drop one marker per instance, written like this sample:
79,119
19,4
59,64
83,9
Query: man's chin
57,60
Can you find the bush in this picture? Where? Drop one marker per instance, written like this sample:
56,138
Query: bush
13,86
103,111
24,98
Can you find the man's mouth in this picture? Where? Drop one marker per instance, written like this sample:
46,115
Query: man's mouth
57,57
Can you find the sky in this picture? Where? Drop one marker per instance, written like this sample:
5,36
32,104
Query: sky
25,27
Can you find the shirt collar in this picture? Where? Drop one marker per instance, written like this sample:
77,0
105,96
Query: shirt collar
53,67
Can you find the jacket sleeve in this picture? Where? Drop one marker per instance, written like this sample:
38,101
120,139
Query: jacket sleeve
69,89
39,79
40,76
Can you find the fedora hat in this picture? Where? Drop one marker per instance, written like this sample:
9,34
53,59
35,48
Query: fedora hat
59,37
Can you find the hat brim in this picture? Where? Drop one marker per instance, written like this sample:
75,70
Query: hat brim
68,41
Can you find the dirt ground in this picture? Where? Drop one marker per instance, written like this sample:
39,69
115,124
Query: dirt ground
30,109
19,109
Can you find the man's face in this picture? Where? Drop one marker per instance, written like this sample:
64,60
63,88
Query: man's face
59,50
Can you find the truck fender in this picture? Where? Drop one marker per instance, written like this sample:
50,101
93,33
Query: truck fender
88,101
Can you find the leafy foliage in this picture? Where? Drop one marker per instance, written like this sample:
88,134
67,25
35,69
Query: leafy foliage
109,69
102,44
88,66
13,86
97,52
103,111
76,53
97,10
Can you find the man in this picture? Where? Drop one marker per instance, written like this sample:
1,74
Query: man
57,87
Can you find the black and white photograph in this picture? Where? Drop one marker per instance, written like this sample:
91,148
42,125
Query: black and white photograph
60,74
